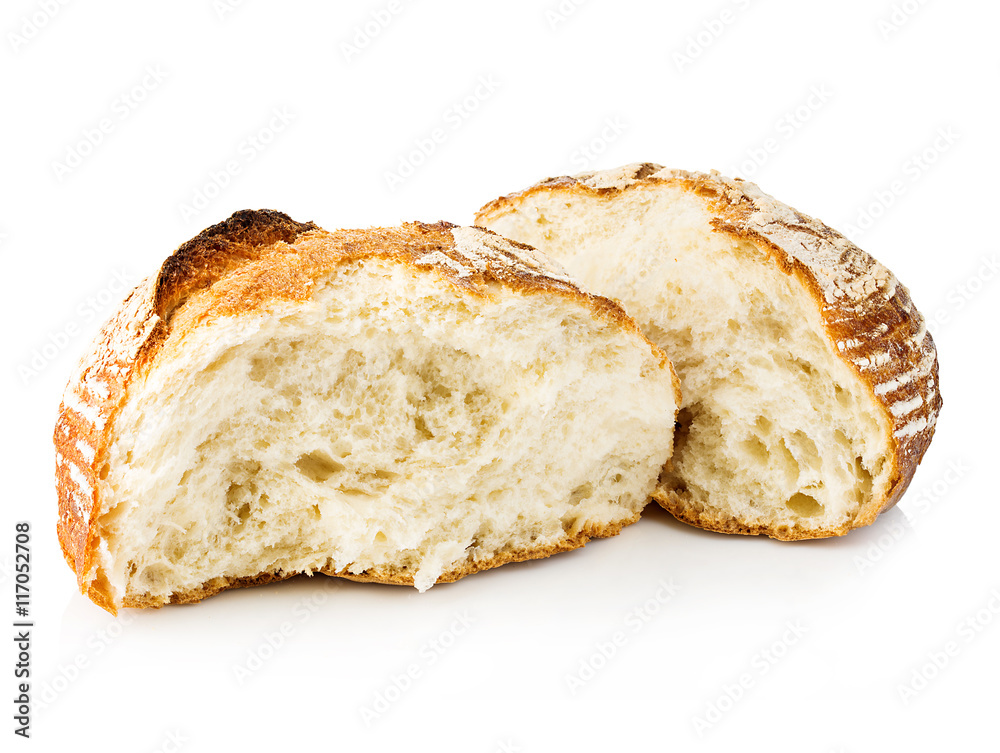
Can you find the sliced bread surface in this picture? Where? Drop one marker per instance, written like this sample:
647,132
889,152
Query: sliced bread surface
403,405
809,379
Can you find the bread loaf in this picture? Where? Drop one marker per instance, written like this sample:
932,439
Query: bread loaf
809,380
402,405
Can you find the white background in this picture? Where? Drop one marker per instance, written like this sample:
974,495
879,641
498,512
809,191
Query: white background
881,122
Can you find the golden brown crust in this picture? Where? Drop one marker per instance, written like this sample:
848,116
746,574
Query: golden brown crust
869,318
384,575
239,266
125,346
681,509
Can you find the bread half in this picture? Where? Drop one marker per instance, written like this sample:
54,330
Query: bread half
402,405
809,380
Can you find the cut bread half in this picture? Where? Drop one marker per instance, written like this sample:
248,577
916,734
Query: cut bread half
809,379
402,405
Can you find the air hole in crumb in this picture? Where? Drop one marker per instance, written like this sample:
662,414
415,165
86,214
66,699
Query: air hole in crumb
318,466
421,426
258,368
381,538
756,449
865,479
804,505
788,462
843,398
175,551
105,470
153,575
441,391
239,503
580,493
354,492
807,449
804,366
